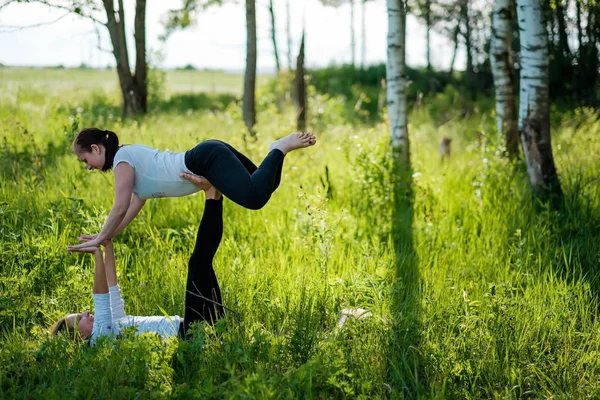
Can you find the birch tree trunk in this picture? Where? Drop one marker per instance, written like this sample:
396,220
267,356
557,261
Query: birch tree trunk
396,79
363,29
352,33
289,34
534,107
248,108
133,87
504,76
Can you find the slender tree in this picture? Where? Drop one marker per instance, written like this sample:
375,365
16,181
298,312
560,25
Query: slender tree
504,76
534,107
289,34
300,89
363,33
248,107
396,79
466,18
425,10
352,33
455,35
274,35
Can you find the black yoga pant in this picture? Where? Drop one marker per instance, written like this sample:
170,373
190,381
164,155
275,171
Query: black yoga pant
202,295
234,175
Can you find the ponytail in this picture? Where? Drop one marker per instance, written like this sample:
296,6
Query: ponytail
89,136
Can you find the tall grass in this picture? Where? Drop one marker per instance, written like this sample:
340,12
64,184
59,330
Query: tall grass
475,290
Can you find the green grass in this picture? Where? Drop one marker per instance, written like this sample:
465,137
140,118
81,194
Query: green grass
476,291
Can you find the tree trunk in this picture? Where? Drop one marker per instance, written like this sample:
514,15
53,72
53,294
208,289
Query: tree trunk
352,33
274,36
465,18
248,108
579,28
504,76
427,10
289,35
534,107
396,79
469,48
363,43
133,90
563,38
141,64
455,39
300,89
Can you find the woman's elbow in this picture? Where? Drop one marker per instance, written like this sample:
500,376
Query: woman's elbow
120,210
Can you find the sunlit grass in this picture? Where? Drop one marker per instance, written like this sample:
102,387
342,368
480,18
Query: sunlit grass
502,304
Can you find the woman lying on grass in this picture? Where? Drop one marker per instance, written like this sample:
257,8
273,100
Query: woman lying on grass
202,299
142,172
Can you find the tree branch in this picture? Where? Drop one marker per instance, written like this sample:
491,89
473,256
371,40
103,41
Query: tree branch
6,3
74,9
15,28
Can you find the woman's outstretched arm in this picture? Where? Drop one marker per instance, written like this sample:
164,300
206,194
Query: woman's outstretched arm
135,206
124,178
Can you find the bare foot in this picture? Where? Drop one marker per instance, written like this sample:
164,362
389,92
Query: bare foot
293,141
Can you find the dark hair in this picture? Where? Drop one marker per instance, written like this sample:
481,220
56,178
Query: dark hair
89,136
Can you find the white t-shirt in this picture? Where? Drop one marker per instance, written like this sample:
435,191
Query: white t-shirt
110,318
156,172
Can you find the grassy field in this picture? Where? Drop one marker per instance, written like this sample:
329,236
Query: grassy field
475,290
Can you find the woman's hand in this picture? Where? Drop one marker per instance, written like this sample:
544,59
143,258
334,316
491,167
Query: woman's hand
86,244
203,183
87,238
91,249
197,180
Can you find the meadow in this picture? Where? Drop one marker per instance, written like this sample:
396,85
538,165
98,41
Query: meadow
476,291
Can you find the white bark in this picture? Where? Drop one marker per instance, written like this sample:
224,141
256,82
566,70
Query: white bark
352,33
534,110
396,78
363,28
503,72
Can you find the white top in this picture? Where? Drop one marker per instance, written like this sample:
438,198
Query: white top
156,172
110,318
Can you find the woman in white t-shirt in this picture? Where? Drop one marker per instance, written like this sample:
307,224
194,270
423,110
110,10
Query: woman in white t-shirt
143,172
202,299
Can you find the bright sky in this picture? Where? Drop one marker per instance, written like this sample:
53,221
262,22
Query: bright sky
218,38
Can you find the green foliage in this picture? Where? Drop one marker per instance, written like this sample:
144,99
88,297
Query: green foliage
363,93
475,292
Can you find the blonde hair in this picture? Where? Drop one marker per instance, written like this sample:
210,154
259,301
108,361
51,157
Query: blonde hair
65,325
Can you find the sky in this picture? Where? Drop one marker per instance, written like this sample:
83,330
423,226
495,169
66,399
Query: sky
217,40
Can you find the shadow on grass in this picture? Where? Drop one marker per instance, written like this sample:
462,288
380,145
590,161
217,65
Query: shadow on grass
576,235
405,366
101,109
185,102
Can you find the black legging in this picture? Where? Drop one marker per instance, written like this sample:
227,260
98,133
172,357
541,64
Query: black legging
201,280
234,175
